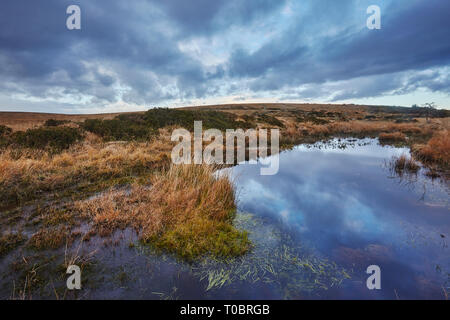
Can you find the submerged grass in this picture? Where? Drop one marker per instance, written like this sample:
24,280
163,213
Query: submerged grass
276,261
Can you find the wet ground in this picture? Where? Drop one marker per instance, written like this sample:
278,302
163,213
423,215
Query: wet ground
332,210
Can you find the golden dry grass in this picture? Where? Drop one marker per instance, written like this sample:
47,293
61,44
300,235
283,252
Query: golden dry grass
50,238
27,173
186,210
437,150
392,137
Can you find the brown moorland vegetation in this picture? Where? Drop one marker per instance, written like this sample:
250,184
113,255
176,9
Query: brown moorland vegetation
68,178
186,211
436,150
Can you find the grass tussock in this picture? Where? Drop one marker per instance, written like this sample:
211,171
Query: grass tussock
10,241
49,238
436,151
187,211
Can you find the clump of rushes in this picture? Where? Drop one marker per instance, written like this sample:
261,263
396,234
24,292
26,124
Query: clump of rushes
392,137
10,241
187,211
405,164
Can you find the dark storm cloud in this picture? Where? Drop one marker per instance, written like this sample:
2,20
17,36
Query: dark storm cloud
132,52
205,16
39,53
414,38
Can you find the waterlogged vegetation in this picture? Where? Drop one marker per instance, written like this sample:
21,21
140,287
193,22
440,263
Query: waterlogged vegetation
278,262
101,193
9,242
185,210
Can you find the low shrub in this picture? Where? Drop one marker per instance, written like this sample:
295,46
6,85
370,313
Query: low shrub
119,129
53,138
162,117
5,131
142,126
271,120
55,123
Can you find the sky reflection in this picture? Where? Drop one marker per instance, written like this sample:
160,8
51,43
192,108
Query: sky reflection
345,204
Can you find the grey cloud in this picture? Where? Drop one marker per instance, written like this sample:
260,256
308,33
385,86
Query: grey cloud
129,51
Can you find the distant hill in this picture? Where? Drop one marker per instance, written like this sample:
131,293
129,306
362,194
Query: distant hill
25,120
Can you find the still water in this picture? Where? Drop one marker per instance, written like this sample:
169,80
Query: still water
340,200
332,210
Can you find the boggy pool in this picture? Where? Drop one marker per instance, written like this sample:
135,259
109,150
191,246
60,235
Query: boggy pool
332,210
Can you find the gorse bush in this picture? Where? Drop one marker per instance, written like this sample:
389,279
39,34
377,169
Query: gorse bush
143,126
270,120
53,138
4,131
54,123
119,129
162,117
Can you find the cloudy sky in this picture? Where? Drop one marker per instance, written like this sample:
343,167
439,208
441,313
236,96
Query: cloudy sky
133,55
